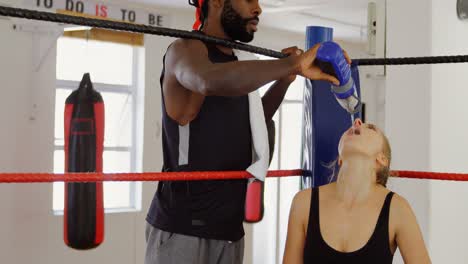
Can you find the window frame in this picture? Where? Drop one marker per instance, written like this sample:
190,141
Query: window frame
133,91
280,193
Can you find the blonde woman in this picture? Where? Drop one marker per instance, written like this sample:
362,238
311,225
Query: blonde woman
355,219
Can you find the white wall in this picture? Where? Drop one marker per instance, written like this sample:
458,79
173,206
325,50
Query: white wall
407,102
426,119
449,146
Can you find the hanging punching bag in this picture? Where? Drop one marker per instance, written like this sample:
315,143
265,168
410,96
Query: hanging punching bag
84,136
254,204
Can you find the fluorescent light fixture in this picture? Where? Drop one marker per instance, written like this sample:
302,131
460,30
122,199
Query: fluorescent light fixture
76,28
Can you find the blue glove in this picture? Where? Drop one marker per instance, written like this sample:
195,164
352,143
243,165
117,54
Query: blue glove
331,60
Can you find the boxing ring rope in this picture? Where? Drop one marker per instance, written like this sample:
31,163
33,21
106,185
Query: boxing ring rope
444,176
193,176
212,175
146,176
169,32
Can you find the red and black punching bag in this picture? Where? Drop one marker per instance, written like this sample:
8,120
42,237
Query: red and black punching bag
254,205
254,208
84,138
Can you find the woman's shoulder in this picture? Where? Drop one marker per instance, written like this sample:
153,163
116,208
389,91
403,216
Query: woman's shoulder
300,208
301,202
400,208
397,201
302,198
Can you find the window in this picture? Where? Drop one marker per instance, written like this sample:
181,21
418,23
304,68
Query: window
270,234
114,72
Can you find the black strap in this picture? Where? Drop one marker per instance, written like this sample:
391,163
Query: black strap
385,212
314,222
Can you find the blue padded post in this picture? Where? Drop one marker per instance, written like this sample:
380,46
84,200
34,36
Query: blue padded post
324,120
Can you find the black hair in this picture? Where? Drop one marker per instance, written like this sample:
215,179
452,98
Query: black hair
204,9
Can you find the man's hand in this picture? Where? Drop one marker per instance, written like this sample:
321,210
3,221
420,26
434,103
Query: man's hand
291,51
309,70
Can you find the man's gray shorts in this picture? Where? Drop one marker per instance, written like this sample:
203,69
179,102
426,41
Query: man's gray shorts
170,248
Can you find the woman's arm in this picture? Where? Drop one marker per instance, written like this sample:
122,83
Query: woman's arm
408,234
297,228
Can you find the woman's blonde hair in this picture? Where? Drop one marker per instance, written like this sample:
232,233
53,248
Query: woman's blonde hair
384,172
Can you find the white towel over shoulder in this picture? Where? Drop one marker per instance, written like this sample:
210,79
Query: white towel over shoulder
261,150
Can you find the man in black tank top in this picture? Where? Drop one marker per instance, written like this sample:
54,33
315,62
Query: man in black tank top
206,127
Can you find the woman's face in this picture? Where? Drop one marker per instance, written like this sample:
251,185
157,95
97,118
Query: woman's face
361,139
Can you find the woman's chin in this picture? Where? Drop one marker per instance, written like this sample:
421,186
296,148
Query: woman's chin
351,152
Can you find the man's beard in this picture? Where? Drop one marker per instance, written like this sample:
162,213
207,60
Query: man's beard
235,25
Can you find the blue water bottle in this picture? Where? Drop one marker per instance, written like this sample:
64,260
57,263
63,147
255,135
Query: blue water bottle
331,60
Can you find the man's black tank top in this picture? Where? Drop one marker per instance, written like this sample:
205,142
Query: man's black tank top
377,249
218,139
